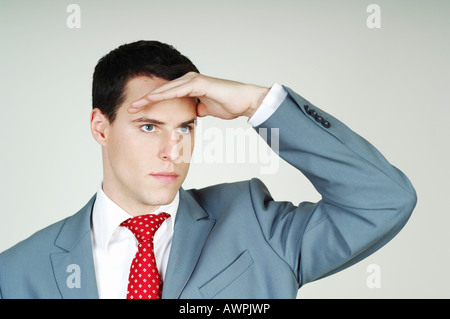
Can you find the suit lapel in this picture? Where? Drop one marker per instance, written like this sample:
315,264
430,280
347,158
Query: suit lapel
192,227
74,269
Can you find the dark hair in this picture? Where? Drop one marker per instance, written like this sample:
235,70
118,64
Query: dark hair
148,58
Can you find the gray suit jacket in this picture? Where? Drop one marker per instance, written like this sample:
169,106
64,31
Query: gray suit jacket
233,240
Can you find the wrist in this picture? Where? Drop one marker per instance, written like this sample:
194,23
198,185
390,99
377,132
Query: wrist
259,93
277,94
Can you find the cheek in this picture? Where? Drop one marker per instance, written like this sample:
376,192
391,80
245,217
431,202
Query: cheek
185,149
126,152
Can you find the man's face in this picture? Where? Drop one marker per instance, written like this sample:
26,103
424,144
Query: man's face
146,155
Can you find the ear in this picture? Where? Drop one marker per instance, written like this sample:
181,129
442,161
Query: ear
99,126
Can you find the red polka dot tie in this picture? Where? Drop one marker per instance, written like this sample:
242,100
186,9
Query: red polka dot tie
144,281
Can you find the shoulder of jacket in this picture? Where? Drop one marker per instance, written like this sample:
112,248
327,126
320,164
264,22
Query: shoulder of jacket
35,243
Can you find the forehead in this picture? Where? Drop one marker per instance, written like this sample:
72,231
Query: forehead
138,86
177,108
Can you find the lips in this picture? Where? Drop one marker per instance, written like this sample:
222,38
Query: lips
165,177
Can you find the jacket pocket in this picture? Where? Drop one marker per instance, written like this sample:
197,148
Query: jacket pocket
227,276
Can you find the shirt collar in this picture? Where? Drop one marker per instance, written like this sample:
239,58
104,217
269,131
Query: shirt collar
107,217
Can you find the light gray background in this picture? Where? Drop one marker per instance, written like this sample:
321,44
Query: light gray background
387,84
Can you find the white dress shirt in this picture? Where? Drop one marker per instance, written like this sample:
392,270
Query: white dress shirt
270,104
114,247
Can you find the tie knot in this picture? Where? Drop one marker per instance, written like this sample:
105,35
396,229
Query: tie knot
144,226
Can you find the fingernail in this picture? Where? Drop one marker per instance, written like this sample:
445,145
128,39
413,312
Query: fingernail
136,104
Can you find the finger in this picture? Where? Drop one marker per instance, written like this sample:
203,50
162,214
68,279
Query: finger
202,110
143,101
176,92
177,88
132,109
189,85
174,83
183,90
139,104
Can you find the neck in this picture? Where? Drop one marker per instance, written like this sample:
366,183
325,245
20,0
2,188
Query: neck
127,203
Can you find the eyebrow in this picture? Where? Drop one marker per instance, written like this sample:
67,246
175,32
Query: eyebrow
157,122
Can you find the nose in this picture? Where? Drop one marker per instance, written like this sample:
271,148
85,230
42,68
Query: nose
171,149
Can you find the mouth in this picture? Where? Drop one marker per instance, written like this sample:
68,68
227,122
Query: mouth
165,177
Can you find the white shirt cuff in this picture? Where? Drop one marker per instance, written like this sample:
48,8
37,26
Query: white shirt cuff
271,102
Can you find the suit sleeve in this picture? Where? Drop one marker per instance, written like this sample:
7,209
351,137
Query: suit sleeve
365,200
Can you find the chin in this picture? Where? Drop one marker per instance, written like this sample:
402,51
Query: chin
161,198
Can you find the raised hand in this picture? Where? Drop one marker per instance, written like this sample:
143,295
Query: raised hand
216,97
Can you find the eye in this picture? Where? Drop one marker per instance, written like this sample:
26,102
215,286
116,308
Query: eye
148,128
186,129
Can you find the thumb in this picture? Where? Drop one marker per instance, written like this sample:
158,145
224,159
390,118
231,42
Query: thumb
202,110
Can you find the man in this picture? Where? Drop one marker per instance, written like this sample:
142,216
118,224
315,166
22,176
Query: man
224,241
